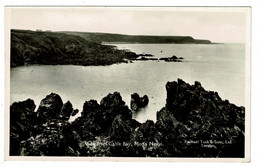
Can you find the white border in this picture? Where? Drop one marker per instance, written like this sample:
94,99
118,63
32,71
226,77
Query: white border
247,12
254,81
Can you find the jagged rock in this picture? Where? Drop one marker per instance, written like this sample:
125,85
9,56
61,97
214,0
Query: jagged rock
114,99
98,147
97,119
113,105
22,120
55,139
190,117
123,135
138,102
120,130
202,114
144,101
89,124
50,107
90,107
75,112
146,132
149,139
165,121
133,123
66,110
135,99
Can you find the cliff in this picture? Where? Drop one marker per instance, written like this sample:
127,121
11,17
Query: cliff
193,123
122,38
52,48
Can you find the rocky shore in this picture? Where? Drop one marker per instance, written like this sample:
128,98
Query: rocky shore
194,123
166,59
54,48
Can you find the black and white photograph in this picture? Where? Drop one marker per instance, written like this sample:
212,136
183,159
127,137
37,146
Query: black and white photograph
128,82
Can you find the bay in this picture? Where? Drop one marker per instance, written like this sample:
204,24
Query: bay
219,67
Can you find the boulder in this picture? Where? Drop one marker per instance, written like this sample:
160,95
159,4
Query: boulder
135,99
165,121
90,121
144,101
22,121
111,100
66,110
75,112
50,107
149,139
89,108
146,132
138,102
56,137
113,105
120,130
97,118
174,57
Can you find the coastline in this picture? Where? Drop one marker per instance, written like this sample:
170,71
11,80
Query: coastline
68,48
107,128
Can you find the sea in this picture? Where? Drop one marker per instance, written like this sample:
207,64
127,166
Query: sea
218,67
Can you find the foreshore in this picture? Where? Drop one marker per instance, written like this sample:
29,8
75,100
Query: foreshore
193,123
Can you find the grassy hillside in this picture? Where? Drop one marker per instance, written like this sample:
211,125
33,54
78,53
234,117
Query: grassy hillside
106,37
50,48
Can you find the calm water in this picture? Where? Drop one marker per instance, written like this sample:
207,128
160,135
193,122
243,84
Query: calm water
219,67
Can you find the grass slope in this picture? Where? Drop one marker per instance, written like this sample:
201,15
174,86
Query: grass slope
107,37
52,48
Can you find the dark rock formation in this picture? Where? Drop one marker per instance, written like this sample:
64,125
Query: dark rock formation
120,130
22,121
145,55
45,132
56,139
66,111
138,102
204,117
50,107
75,112
193,123
154,59
96,119
172,59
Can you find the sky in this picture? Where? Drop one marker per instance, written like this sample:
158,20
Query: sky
215,24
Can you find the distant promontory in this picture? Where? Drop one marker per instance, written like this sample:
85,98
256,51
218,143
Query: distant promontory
79,48
123,38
